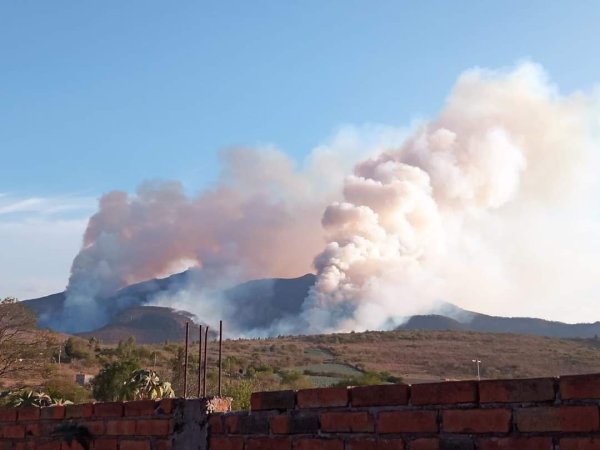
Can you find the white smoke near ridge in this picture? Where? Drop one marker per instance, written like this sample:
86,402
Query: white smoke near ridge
505,147
262,219
442,213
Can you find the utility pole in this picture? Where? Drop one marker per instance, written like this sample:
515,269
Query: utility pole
478,362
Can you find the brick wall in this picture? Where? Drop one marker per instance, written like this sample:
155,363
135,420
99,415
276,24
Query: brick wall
170,424
528,414
532,414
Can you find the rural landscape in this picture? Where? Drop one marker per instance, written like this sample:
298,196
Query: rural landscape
266,364
308,225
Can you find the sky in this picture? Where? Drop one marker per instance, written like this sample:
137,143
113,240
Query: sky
97,96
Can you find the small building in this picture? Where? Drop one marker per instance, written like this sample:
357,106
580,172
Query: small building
83,379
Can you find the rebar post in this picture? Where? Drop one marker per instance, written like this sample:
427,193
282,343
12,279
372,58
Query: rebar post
185,363
220,353
205,361
199,362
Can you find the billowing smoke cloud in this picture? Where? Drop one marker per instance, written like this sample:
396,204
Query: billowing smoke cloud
262,219
505,145
419,220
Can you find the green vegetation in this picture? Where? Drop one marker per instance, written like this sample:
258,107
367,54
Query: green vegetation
30,398
109,384
132,371
369,378
146,384
61,385
23,348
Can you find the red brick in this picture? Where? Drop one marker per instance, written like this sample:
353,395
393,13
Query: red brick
244,423
77,411
226,443
134,445
163,445
265,443
563,418
13,431
580,443
260,401
347,422
322,398
166,405
120,427
33,429
53,412
108,409
215,424
425,444
8,414
449,392
476,420
517,443
25,445
74,445
579,386
49,445
517,391
293,423
95,427
280,424
28,413
318,444
106,444
382,395
149,427
218,404
375,444
407,422
140,408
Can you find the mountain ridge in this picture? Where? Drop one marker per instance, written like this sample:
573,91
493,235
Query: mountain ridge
259,303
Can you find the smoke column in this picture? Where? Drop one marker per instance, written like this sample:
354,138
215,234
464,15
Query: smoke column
443,212
505,143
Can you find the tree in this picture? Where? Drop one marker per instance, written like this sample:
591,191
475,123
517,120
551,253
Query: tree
77,349
145,384
22,345
109,384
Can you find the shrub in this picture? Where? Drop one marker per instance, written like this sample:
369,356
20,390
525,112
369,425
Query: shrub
62,386
109,384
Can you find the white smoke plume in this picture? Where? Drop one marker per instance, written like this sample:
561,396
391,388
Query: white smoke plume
505,147
262,219
421,219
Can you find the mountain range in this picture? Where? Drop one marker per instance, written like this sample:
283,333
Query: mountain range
258,303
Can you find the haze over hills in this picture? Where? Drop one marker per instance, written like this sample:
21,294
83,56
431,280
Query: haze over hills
258,303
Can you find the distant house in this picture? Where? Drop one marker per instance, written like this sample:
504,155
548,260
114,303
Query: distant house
83,379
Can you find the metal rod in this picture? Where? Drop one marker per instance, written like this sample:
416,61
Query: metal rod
185,363
205,361
220,352
200,363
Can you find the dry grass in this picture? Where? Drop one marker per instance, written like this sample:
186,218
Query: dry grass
428,355
416,356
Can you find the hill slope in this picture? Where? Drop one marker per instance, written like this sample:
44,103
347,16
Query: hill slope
258,303
417,356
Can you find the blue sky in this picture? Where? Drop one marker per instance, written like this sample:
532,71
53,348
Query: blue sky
96,96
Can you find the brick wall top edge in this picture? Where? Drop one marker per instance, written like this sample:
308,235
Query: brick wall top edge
517,390
260,401
580,386
513,390
450,392
108,409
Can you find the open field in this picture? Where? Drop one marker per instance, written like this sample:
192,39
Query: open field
322,360
426,355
